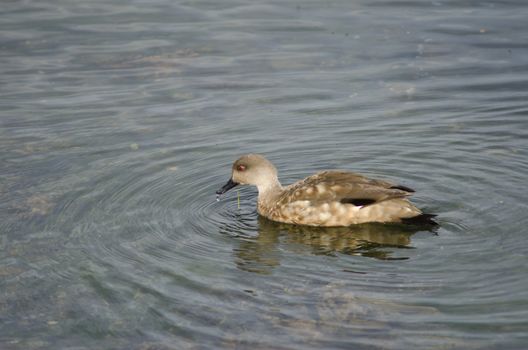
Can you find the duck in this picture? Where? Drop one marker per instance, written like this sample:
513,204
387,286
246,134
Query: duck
329,198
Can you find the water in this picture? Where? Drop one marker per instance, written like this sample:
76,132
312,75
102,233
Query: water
120,120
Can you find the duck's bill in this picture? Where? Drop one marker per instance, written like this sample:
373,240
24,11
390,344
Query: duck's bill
229,185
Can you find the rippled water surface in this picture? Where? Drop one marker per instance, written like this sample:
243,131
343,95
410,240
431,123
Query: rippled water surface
120,119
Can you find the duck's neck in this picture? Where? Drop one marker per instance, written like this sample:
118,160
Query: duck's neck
269,191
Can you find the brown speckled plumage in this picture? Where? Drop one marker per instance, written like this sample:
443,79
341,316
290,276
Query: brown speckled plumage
328,198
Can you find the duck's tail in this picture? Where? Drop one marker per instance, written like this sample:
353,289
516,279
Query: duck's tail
422,219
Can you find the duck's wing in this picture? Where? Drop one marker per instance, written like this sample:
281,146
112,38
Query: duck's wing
345,187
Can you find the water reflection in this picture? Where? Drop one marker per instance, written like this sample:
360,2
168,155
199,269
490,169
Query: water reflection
261,253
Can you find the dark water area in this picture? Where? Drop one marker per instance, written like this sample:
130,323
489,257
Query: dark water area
120,119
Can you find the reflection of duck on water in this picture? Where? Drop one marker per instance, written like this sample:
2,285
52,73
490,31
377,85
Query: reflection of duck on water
262,253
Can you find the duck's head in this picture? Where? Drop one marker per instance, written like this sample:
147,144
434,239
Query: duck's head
251,169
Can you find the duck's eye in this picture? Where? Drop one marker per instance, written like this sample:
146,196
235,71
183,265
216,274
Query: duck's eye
241,167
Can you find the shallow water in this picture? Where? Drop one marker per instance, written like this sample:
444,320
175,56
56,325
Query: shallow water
119,120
